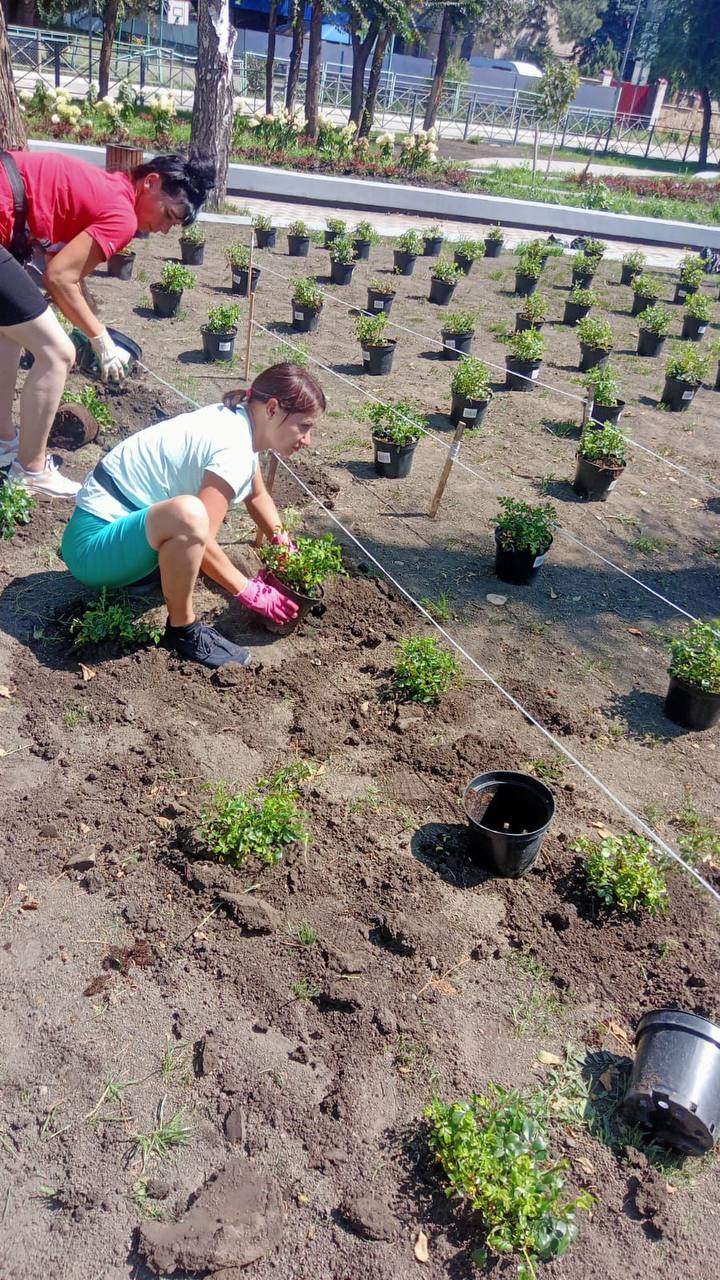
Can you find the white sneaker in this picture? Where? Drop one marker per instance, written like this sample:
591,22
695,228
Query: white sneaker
50,483
8,450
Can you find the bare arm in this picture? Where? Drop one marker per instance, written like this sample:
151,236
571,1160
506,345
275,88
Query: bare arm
215,496
62,279
261,507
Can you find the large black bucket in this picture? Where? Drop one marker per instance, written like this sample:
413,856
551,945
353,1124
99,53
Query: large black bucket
675,1082
509,814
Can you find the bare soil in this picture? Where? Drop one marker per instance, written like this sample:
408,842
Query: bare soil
138,975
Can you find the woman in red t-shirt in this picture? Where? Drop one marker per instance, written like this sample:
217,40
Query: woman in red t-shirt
77,216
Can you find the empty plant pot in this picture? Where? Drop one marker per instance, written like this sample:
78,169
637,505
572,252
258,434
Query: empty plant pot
455,345
298,246
432,246
266,238
379,301
573,312
305,319
165,304
404,262
361,249
524,322
191,254
306,605
693,329
628,275
521,375
218,346
678,394
682,291
524,284
519,567
592,357
341,272
464,263
440,292
120,266
393,461
611,413
594,480
378,360
465,409
508,814
674,1085
493,248
691,707
73,426
240,280
87,362
649,344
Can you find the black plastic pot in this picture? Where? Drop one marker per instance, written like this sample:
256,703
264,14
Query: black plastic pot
674,1086
583,278
330,237
678,394
404,262
629,274
191,254
455,345
440,292
120,266
640,304
493,248
467,409
693,329
341,272
649,344
306,605
717,378
611,413
432,246
377,302
298,246
164,304
392,461
87,360
508,814
521,375
525,285
682,291
240,280
305,319
519,567
593,480
573,312
465,264
592,357
218,346
266,238
524,322
378,360
361,249
691,707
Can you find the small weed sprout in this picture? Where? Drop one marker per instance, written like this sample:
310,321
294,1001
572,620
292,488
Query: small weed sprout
304,989
621,871
423,671
140,1196
16,507
108,620
259,823
161,1141
303,933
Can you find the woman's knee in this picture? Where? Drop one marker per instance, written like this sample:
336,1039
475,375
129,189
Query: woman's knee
189,516
55,354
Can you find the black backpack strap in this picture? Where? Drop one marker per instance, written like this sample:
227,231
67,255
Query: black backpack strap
19,245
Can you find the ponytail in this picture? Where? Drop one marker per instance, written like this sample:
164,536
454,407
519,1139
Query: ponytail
295,390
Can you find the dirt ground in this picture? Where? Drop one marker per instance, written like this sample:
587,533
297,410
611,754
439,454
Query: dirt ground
136,976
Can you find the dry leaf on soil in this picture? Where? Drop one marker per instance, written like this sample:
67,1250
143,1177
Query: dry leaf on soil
619,1033
421,1247
87,672
443,986
5,691
549,1059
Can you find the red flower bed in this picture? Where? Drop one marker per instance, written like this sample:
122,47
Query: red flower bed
661,188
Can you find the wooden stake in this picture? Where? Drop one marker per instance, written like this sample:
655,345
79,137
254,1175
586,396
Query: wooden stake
585,416
269,485
453,453
249,289
248,340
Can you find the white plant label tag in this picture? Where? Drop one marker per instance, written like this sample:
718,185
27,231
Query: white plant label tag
469,413
682,293
366,357
299,315
539,560
378,304
224,346
534,373
688,395
611,485
450,342
383,457
702,328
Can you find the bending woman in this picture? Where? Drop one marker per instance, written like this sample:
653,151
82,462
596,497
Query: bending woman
75,216
160,497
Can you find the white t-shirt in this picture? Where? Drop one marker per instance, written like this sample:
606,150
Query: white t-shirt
170,459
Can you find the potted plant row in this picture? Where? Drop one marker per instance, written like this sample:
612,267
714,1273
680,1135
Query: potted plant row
265,232
471,393
693,697
596,342
443,281
307,302
377,348
192,244
523,537
654,325
633,265
298,238
457,334
684,372
467,251
494,241
601,381
532,313
220,331
600,462
396,429
525,354
692,270
578,305
120,265
238,258
168,290
432,242
380,296
342,260
698,310
408,248
300,573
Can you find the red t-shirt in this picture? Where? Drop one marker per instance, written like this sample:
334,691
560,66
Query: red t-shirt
66,196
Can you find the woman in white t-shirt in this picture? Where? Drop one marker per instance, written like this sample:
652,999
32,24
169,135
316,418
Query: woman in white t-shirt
160,496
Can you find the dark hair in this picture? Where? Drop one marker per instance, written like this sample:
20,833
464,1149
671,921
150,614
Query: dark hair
295,390
181,179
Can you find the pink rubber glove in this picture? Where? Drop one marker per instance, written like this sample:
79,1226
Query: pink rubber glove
268,601
281,538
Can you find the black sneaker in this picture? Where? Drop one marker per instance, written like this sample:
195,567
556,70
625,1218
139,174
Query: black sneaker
204,645
150,585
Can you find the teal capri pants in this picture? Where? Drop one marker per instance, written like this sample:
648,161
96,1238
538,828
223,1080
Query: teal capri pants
108,553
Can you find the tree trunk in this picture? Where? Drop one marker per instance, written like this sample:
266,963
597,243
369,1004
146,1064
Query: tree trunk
12,129
270,61
110,17
211,128
443,55
312,91
298,39
361,53
705,131
536,148
374,81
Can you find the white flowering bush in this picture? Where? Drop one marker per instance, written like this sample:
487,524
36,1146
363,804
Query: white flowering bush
419,150
385,144
110,116
335,141
162,110
277,128
65,110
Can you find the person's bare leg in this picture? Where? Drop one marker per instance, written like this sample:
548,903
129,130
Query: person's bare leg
178,530
10,352
44,384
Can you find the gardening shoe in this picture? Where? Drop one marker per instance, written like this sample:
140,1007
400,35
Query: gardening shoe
204,645
8,451
150,585
48,483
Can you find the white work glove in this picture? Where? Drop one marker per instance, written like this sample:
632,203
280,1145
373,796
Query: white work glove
112,360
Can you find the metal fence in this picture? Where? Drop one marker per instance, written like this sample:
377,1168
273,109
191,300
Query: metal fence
71,61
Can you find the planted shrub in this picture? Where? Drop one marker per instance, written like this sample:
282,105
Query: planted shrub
371,331
605,445
699,306
695,656
91,400
595,333
468,248
238,256
386,287
582,265
530,264
258,823
534,308
655,319
262,222
299,228
472,380
423,671
495,233
16,507
687,364
621,872
109,619
522,526
223,319
648,287
635,260
446,271
692,270
336,226
458,322
306,568
603,384
194,234
342,250
494,1153
594,249
307,293
527,346
364,231
175,278
583,297
400,423
410,242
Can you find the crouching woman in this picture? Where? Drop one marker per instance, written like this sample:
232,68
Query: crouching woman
160,497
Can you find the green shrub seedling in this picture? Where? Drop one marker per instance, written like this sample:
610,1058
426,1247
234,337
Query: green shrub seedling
695,656
175,279
306,568
620,871
110,620
91,400
423,670
224,318
259,823
307,293
400,423
524,527
16,507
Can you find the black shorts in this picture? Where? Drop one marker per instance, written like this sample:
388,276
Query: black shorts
20,299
